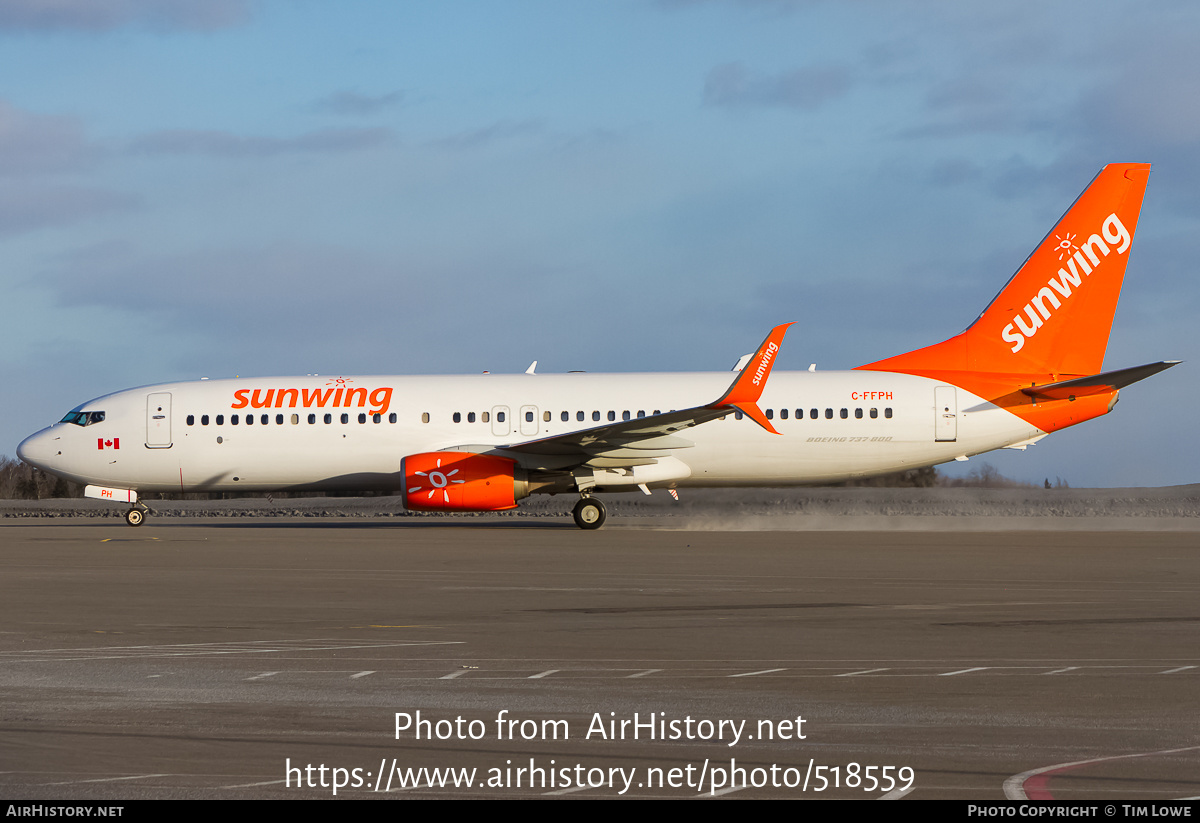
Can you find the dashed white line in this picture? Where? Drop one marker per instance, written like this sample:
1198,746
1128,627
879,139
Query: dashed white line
108,779
964,671
896,794
1180,669
720,792
568,791
360,674
453,675
543,674
252,785
864,671
1060,671
643,674
261,676
752,674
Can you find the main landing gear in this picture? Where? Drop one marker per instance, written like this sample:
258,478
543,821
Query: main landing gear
589,513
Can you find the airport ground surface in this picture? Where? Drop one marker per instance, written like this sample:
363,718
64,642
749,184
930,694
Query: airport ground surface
198,658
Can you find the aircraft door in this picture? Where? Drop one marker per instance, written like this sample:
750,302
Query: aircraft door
945,408
501,425
158,420
529,420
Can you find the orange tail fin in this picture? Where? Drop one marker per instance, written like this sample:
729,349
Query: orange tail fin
1053,317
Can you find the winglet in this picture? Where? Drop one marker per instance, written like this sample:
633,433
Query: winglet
748,386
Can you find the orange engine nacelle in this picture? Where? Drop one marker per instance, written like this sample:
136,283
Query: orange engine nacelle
461,481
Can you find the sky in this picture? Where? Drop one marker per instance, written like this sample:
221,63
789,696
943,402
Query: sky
210,188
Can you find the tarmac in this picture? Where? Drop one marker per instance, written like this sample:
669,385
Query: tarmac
735,652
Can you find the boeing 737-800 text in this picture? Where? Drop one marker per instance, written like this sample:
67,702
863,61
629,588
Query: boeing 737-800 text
1029,365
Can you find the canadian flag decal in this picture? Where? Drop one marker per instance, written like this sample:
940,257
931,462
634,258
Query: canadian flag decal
103,444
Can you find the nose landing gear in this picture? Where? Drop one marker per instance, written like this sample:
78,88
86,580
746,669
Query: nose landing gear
136,515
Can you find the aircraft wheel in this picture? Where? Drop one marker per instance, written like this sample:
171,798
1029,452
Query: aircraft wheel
589,513
134,517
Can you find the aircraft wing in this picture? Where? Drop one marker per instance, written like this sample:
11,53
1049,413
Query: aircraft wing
641,440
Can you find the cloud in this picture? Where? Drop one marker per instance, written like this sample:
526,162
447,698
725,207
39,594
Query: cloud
32,144
352,104
28,207
489,134
104,15
227,144
732,85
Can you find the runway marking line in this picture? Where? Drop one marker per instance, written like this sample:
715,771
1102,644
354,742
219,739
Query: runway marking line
543,674
453,675
897,793
752,674
107,779
261,676
964,671
864,671
1180,669
1033,784
643,674
360,674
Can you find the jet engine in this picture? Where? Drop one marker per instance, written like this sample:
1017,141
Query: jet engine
462,481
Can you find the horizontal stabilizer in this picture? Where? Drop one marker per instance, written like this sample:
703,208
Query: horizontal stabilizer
1097,383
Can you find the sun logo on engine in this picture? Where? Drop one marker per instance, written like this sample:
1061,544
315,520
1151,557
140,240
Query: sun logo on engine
1066,245
438,481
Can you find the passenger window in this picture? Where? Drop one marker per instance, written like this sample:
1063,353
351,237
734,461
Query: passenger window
641,412
470,417
566,416
829,414
265,419
191,419
625,415
424,417
887,413
579,416
545,417
279,420
485,417
770,414
596,416
362,418
813,414
612,415
295,419
249,420
845,413
783,413
392,417
233,420
858,414
346,418
377,418
312,418
874,413
328,419
457,417
204,420
220,420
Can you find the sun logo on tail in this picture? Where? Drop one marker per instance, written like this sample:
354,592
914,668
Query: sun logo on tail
1066,245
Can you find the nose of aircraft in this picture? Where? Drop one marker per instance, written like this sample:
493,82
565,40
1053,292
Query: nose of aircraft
37,449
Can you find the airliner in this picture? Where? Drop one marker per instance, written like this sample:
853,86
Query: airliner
1029,365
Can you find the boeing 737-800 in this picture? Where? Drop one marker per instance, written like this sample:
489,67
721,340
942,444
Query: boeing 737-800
1029,365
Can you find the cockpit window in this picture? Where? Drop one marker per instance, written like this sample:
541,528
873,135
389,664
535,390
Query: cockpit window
82,418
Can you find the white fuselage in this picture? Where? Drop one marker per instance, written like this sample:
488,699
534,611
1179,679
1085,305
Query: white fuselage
182,436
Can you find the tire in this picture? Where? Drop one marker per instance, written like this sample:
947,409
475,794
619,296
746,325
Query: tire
134,517
589,513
